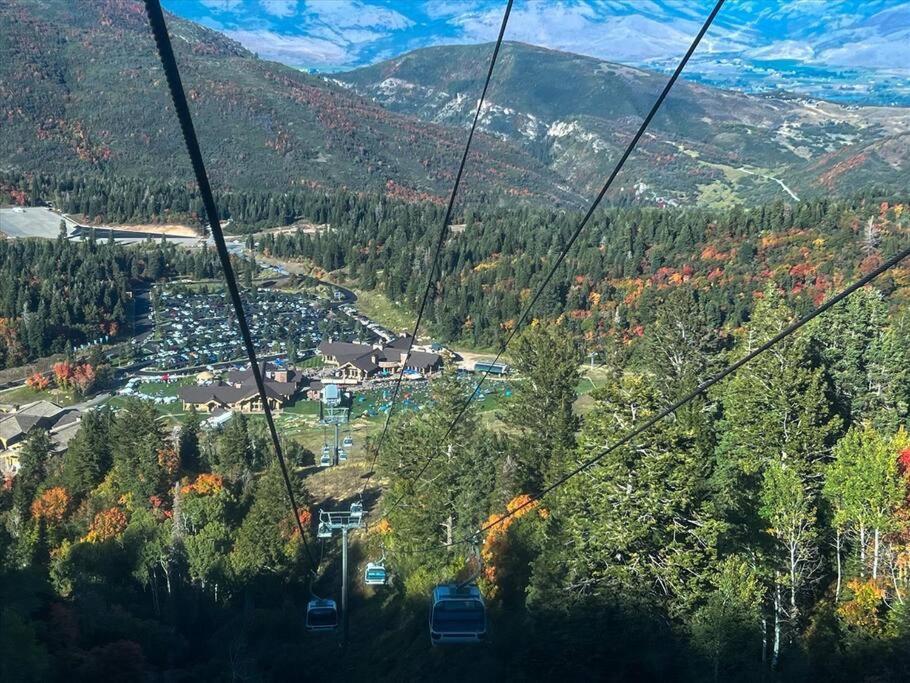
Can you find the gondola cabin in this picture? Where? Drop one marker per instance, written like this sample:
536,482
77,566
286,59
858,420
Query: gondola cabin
347,442
342,455
457,615
375,574
321,615
325,460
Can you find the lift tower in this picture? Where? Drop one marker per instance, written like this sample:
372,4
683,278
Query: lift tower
343,521
336,414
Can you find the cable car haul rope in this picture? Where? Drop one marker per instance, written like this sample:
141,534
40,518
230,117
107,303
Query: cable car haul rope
457,611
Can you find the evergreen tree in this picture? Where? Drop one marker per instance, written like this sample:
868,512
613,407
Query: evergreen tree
88,455
546,358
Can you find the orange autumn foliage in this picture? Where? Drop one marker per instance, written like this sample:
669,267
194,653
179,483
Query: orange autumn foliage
63,373
495,544
205,484
290,529
51,505
107,524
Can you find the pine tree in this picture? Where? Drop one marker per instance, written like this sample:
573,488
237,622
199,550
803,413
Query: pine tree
540,411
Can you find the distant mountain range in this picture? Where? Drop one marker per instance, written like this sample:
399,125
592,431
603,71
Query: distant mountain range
577,113
82,91
849,51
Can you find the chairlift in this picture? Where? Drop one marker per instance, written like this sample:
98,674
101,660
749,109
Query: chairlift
375,574
457,614
321,615
357,511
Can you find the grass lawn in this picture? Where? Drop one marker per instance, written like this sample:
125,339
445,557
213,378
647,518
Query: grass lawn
23,395
387,313
302,407
591,378
311,362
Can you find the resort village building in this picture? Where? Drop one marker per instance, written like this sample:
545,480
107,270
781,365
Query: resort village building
239,392
355,363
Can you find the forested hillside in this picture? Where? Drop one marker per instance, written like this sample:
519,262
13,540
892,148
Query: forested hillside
83,91
761,534
622,268
577,113
56,294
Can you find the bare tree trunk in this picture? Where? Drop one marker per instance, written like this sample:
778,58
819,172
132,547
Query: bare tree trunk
839,573
862,551
897,591
793,571
153,584
775,651
449,527
167,574
875,555
764,639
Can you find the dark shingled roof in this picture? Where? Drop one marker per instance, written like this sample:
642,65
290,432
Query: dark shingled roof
246,376
422,360
402,343
345,350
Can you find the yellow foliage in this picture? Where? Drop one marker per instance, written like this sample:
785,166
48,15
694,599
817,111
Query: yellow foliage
862,612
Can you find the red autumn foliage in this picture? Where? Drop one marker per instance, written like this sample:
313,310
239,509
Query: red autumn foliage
38,382
290,529
903,461
63,374
83,377
801,270
169,460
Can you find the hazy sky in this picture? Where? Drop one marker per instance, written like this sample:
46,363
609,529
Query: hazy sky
332,34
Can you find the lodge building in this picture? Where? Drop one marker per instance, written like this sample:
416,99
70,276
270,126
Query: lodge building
239,391
355,363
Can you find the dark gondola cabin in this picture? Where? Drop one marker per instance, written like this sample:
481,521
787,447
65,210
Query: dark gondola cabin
321,615
457,615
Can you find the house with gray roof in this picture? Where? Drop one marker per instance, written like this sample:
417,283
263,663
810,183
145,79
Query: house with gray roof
357,362
61,424
240,393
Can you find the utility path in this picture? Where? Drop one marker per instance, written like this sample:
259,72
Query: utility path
771,177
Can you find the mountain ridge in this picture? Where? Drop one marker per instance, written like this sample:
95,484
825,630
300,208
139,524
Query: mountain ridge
577,113
86,94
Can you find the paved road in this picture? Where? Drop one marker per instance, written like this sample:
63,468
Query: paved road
297,269
92,402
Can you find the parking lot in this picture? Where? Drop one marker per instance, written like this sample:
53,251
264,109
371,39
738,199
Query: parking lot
198,329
